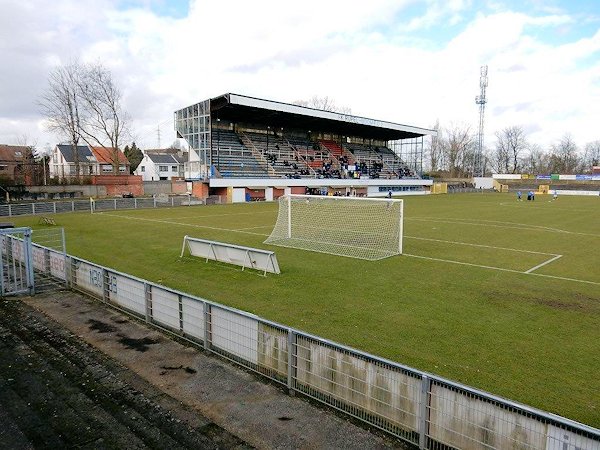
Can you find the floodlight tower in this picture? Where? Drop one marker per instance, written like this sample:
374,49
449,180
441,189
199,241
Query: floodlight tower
481,100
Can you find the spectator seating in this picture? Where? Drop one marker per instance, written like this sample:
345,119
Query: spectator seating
233,159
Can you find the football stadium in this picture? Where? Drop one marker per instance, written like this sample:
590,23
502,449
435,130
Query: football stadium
311,252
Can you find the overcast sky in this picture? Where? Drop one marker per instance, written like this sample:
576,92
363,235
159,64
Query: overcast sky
404,61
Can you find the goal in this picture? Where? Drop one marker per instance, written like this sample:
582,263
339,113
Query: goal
356,227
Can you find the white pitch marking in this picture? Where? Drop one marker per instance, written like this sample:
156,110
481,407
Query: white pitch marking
564,278
185,224
405,254
481,245
502,269
462,263
493,223
543,264
218,215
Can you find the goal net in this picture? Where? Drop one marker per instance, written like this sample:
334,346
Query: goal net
356,227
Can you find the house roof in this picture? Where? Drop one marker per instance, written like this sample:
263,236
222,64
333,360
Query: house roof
162,151
10,153
157,158
104,155
83,152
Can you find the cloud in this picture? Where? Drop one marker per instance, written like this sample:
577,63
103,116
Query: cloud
379,58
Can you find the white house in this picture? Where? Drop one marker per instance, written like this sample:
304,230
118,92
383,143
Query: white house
160,166
91,161
62,163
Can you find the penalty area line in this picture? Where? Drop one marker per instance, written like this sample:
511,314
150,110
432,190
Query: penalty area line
543,264
502,269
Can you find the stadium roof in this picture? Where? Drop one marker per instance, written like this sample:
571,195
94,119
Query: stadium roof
240,108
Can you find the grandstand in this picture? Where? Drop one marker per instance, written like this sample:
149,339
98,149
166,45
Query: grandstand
237,137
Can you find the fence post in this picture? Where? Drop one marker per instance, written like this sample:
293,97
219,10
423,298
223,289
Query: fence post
291,363
115,204
9,210
180,301
28,257
135,203
65,256
2,248
207,325
154,201
54,205
105,286
73,206
69,272
33,209
423,422
148,301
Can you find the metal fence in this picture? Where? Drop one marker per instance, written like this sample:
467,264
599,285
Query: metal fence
423,409
16,269
109,204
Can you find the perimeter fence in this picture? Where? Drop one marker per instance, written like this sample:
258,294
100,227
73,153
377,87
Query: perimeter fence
423,409
108,204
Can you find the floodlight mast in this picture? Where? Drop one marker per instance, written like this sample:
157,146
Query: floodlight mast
481,100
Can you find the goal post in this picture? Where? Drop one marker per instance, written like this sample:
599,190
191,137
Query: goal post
356,227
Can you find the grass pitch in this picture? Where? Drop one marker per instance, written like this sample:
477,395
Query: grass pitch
494,293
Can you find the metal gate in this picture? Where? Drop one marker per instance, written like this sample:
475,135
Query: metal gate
16,267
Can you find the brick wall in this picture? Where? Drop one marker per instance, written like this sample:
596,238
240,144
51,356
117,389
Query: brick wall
106,180
199,189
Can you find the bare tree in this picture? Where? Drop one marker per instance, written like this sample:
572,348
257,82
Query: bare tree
105,123
28,171
536,161
61,104
591,155
511,142
435,149
323,103
563,155
458,145
84,103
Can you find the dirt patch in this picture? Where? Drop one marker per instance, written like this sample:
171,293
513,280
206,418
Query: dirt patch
139,345
101,327
170,368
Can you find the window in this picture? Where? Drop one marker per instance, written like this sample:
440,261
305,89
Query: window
19,154
3,167
163,168
106,168
174,169
143,169
122,169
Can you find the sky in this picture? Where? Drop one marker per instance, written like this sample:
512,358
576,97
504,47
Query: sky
404,61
